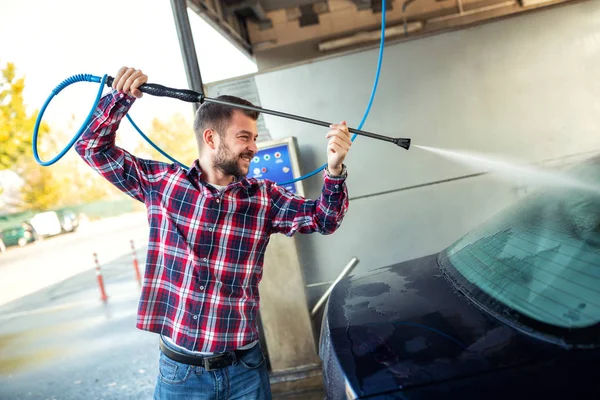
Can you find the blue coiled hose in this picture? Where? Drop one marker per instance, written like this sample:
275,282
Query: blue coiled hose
375,83
57,89
102,81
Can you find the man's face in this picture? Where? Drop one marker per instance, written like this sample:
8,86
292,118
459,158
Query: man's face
237,145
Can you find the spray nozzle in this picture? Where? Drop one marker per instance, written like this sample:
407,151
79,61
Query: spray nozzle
402,142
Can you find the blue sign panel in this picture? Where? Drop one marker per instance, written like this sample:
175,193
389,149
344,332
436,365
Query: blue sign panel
273,163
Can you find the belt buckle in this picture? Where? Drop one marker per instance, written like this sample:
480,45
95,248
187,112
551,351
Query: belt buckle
217,362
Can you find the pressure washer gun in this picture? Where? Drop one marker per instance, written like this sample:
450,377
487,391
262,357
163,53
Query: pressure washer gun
180,94
195,97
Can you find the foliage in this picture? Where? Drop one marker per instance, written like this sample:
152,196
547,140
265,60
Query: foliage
16,125
175,137
69,181
65,183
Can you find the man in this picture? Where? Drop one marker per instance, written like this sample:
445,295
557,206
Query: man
209,228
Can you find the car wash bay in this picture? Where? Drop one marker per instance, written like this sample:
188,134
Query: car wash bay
521,90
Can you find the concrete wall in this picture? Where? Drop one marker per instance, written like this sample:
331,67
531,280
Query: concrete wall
525,88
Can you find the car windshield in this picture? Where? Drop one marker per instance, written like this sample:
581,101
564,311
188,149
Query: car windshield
540,258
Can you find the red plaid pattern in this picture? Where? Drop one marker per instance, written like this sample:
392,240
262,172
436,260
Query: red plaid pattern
206,248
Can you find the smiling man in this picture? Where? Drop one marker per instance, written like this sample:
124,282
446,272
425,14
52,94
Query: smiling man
209,228
226,140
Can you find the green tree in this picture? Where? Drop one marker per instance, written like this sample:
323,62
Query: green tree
175,137
16,125
41,191
67,182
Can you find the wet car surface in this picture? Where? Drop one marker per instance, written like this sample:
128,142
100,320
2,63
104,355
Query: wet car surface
511,310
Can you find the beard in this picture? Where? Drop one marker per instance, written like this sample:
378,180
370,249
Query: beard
229,163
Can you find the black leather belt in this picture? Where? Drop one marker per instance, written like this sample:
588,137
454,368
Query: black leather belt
209,363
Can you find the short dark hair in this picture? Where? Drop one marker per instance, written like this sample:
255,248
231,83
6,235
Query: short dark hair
218,116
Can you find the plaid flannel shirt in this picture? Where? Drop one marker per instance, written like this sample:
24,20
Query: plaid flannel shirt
206,248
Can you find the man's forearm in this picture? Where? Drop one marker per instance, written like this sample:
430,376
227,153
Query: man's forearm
97,147
99,134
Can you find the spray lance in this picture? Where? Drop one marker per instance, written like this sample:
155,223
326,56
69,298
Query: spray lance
195,97
183,95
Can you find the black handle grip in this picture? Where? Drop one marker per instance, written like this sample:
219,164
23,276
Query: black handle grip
155,89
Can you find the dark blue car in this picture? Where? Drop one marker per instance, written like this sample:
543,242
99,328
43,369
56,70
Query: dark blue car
509,311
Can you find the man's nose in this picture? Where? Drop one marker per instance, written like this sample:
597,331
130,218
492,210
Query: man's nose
253,148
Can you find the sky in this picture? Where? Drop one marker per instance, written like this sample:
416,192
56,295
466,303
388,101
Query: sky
49,41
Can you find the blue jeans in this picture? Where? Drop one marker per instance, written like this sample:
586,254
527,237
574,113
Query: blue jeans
246,378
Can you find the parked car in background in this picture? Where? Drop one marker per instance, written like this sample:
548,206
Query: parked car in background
69,221
34,226
509,311
17,236
52,223
46,223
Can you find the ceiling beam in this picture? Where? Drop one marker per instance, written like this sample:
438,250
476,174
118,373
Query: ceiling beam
363,4
228,25
252,9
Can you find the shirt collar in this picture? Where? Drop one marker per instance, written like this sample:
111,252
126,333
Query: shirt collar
195,173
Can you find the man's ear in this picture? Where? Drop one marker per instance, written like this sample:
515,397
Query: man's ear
209,136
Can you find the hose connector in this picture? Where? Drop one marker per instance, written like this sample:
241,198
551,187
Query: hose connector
74,79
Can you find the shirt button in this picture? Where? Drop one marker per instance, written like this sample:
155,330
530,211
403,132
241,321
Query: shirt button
218,200
210,229
337,186
195,317
204,259
201,287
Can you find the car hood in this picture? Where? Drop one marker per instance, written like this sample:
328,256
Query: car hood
405,325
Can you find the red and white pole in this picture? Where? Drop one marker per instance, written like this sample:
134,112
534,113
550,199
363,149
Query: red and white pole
135,265
103,295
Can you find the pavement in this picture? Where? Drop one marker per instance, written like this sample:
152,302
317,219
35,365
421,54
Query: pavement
64,342
58,339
